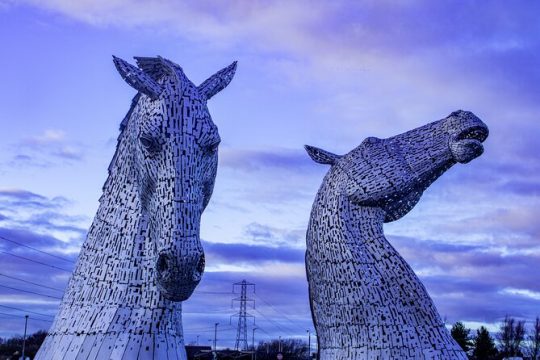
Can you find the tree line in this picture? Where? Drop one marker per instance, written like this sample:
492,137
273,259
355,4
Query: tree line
512,340
12,347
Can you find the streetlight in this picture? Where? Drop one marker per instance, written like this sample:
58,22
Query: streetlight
253,355
24,337
215,336
309,344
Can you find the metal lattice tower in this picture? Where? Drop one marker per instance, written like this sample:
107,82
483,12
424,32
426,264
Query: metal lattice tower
241,330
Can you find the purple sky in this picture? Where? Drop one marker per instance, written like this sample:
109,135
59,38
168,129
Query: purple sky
319,73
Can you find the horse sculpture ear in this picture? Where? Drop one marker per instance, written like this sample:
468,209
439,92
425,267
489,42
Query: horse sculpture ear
321,156
217,82
137,78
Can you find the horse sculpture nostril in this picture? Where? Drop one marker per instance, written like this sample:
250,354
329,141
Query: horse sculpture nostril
162,264
200,265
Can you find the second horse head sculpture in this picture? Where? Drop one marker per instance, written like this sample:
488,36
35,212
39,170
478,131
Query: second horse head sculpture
366,301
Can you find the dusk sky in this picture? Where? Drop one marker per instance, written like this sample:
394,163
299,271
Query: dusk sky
328,74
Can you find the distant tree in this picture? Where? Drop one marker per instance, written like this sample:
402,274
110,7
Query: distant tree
461,334
292,349
534,340
484,346
511,335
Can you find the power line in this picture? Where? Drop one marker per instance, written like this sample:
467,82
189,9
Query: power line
19,316
213,292
279,326
24,310
210,330
34,261
262,329
31,292
41,251
278,312
33,283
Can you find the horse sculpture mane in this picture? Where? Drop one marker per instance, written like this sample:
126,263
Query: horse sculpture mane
366,301
143,255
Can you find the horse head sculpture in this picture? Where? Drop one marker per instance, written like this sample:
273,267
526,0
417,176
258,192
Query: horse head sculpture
366,301
407,163
143,256
175,146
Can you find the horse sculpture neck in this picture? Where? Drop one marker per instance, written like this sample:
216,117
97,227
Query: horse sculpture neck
366,301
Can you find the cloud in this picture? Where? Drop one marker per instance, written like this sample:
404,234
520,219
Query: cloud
521,187
477,275
47,137
273,236
253,254
23,209
31,281
257,160
46,149
274,177
25,198
351,36
535,295
39,243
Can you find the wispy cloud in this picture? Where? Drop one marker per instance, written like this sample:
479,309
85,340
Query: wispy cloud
481,275
46,216
48,148
273,236
252,254
274,160
535,295
47,137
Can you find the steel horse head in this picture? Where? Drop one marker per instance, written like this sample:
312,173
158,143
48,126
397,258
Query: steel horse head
175,148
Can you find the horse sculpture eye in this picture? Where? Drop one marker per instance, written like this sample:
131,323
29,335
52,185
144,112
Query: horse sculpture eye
150,144
212,148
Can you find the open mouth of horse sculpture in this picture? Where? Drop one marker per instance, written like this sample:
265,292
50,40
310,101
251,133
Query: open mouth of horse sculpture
467,144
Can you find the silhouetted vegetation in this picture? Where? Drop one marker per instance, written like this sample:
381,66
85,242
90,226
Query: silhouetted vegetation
12,347
512,340
292,349
461,334
533,341
484,346
511,336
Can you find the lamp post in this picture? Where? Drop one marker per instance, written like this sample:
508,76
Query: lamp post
309,344
24,337
215,336
253,355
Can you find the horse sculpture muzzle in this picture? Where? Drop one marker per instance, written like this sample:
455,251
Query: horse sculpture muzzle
180,260
178,272
466,143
